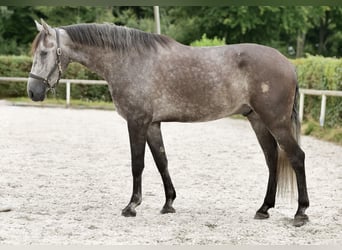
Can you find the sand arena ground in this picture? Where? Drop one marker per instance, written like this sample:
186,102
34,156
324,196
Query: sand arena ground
66,175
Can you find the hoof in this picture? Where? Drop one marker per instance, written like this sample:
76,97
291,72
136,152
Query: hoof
167,210
300,220
261,216
129,212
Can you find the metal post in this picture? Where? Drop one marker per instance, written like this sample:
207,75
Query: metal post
67,93
301,106
323,108
157,18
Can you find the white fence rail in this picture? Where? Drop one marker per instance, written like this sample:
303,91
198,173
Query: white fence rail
303,92
324,94
65,81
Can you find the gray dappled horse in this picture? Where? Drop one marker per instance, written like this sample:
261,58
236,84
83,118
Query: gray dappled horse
154,79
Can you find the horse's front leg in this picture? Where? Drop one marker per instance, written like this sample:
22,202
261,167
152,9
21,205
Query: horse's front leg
155,142
137,136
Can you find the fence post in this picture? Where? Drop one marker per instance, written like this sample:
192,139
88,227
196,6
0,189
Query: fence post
323,107
301,106
67,93
157,19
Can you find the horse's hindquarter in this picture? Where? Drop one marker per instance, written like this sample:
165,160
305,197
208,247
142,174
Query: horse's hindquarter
271,81
198,84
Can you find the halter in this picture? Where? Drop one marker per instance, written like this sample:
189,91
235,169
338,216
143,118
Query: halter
57,65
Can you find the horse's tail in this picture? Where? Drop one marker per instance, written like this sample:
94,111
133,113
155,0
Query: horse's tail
286,178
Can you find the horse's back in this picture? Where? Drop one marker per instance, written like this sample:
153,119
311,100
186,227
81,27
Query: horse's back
197,84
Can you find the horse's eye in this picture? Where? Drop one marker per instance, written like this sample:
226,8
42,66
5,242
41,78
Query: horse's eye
43,53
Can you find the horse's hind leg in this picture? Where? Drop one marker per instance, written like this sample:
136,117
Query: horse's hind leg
296,157
269,147
137,136
155,142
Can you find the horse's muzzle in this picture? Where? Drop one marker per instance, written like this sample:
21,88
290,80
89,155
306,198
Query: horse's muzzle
36,89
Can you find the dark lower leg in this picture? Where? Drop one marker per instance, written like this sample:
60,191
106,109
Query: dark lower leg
303,200
136,198
269,147
137,136
155,142
170,193
297,158
269,200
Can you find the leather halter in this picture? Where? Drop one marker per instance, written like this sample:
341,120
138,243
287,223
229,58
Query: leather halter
57,65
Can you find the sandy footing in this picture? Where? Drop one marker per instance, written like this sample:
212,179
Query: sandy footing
65,176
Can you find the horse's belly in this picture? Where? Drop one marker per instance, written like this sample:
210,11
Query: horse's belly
196,112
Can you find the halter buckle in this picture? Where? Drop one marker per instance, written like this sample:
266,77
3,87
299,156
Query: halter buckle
59,51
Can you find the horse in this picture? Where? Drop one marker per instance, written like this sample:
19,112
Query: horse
153,78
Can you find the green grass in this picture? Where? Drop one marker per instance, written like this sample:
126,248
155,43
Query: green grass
74,103
312,128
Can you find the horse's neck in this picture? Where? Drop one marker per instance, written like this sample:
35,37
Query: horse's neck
104,62
110,64
92,58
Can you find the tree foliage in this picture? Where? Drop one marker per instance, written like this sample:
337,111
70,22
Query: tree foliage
294,30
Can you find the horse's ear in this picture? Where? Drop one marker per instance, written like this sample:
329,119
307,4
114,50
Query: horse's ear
39,26
46,27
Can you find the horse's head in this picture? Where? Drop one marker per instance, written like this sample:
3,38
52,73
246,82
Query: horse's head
48,62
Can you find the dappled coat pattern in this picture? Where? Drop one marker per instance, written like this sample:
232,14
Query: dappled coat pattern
154,79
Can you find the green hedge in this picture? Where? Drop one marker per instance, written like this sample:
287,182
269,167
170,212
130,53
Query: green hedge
314,72
20,66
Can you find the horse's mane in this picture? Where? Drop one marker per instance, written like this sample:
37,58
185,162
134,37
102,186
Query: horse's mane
117,38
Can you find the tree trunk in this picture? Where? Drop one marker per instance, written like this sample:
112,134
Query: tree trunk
323,30
300,43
